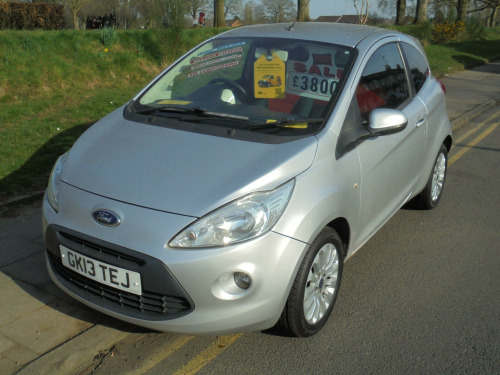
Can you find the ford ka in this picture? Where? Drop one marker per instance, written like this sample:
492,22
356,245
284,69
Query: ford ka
214,203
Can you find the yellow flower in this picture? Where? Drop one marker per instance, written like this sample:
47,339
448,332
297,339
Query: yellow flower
105,50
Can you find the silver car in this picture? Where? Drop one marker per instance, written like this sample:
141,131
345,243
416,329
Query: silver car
212,203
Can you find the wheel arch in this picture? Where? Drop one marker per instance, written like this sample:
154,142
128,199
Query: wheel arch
447,142
341,226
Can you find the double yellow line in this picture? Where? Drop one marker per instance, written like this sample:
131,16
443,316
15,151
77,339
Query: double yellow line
162,352
476,140
206,356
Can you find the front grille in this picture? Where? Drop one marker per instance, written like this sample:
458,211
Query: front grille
163,298
93,247
148,303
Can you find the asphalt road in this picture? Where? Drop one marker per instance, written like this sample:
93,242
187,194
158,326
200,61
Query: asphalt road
421,297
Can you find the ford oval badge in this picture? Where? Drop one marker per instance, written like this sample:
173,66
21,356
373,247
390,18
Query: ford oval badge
106,217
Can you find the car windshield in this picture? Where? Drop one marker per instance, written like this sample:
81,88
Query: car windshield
255,84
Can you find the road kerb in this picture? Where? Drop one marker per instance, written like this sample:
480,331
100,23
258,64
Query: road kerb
68,356
458,122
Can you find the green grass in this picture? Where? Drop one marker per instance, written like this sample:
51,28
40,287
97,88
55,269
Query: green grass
55,84
421,32
458,55
454,56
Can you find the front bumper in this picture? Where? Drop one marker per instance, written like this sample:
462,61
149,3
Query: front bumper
184,291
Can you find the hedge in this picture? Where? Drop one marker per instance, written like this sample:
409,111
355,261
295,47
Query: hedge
29,16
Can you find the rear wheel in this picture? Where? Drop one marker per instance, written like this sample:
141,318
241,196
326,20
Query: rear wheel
315,287
430,196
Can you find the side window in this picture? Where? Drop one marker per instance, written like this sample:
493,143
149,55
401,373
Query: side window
418,65
383,83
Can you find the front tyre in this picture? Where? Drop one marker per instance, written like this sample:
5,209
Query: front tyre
315,287
430,196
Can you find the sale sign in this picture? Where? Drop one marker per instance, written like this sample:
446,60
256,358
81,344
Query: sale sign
315,78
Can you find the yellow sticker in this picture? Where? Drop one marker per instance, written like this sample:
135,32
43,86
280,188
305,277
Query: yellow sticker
269,76
174,102
296,126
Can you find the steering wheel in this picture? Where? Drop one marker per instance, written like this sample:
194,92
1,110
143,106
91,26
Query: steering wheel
228,82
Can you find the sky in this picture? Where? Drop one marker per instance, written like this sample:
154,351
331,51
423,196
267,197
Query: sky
331,8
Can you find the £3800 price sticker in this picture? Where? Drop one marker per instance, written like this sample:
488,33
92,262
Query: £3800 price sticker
316,87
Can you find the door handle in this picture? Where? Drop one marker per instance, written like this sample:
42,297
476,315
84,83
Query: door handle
421,121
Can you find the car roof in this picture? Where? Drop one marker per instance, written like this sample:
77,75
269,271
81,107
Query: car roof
337,33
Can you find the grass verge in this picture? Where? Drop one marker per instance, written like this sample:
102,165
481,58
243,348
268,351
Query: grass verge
454,56
55,84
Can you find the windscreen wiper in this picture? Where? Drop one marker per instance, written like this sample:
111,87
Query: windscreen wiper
209,115
170,108
200,113
285,123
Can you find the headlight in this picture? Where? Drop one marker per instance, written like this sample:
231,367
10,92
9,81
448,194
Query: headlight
54,180
240,220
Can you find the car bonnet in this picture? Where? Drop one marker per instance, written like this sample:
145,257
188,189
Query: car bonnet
178,171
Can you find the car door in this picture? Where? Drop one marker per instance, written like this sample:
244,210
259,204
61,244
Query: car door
431,92
390,164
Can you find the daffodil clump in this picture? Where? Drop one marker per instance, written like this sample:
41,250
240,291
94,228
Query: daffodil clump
108,37
443,32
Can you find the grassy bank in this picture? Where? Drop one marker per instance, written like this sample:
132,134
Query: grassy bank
452,57
473,47
458,55
54,84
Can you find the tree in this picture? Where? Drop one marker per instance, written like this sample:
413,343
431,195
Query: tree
175,11
232,7
249,13
260,14
493,18
158,14
421,15
279,10
483,5
462,10
400,12
127,13
152,13
219,19
442,10
362,11
195,6
75,6
97,8
303,10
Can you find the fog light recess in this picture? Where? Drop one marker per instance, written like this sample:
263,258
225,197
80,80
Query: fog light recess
232,285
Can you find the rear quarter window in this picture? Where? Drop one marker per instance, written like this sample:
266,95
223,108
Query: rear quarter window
419,70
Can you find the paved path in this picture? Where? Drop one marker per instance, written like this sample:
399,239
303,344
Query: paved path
36,317
472,91
44,331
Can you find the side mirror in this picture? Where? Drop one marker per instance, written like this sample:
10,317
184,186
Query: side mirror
384,121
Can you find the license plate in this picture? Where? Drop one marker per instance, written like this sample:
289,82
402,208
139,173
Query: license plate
104,273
